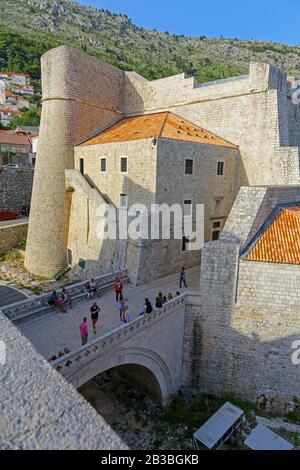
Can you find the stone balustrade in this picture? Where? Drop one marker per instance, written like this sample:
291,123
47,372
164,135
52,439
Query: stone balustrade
25,308
71,362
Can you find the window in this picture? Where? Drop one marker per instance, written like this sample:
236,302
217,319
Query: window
216,230
216,224
123,164
103,165
123,200
81,166
220,169
187,207
189,166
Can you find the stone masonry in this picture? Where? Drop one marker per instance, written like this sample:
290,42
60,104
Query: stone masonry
82,95
15,188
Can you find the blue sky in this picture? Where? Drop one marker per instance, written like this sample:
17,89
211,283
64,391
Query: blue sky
255,19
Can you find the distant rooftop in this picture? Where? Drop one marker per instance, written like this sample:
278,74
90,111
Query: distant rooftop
278,240
165,125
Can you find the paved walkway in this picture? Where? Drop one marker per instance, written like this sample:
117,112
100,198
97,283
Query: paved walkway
56,330
8,295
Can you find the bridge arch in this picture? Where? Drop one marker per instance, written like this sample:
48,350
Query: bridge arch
130,356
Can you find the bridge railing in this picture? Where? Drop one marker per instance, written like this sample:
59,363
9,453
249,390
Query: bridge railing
25,308
98,346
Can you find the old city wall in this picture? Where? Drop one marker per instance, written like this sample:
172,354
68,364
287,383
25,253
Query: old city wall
267,315
252,207
15,188
80,95
240,339
11,235
257,102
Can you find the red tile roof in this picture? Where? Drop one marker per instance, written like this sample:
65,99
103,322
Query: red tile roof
280,240
164,125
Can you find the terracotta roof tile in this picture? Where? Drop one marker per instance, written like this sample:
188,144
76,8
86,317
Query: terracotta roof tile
280,240
165,125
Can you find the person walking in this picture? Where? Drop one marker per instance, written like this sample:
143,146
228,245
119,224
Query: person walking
121,305
94,315
84,331
118,288
182,278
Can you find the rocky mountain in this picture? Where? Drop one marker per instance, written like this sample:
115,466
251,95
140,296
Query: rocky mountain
30,27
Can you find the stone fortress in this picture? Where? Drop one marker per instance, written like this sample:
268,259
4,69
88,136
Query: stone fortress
238,337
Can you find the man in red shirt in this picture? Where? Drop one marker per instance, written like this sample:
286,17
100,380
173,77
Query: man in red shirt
118,288
84,331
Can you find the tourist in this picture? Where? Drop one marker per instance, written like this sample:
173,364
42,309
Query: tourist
182,278
127,317
84,331
159,300
118,288
52,358
121,304
87,290
61,354
65,298
93,288
164,300
177,293
94,315
170,296
56,302
66,350
147,306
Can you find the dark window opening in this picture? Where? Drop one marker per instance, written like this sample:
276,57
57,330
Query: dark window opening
81,166
220,170
123,164
184,245
189,166
103,165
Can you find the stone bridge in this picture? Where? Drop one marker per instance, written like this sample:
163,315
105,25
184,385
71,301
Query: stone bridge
149,350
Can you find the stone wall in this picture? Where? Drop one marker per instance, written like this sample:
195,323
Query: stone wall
11,235
155,174
240,339
254,112
15,188
252,207
39,410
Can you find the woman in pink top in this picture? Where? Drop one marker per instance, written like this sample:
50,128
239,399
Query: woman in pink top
84,331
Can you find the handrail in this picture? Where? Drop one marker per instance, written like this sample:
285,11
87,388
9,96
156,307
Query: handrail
20,309
122,333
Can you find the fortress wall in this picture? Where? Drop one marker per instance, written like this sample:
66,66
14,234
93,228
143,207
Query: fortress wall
80,95
244,348
11,235
252,207
37,406
15,188
267,315
252,112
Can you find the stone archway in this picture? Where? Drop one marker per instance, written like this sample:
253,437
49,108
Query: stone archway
134,358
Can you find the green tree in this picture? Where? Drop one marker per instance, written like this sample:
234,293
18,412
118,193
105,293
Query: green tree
28,118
